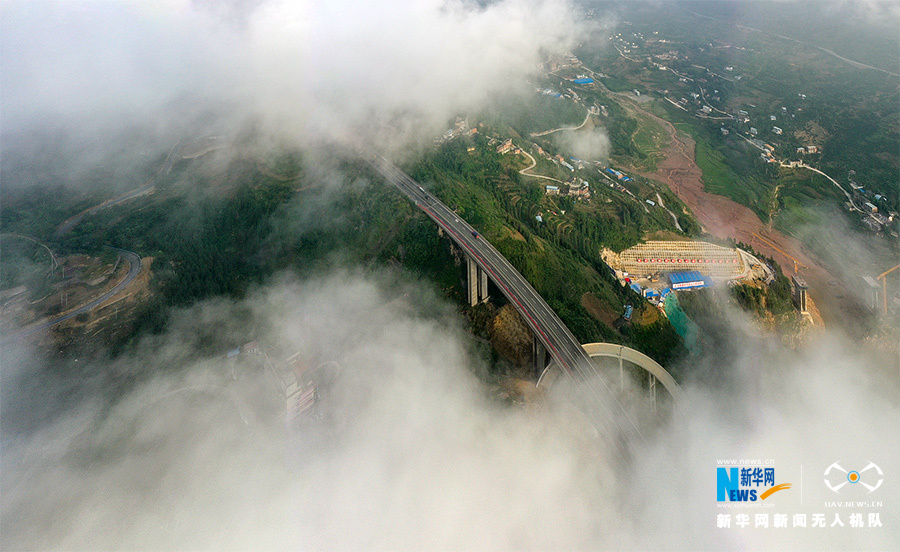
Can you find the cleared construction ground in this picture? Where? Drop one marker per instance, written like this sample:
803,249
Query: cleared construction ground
678,256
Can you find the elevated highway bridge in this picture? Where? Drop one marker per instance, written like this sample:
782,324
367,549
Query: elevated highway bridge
551,334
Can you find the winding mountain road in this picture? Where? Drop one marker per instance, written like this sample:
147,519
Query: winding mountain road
533,164
546,132
134,261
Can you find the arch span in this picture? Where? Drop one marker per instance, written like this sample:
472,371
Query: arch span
623,353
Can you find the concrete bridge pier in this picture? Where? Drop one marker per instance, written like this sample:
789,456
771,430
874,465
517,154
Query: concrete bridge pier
477,282
621,373
539,354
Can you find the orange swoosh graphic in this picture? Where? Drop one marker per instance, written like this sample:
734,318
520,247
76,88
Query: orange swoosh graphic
776,488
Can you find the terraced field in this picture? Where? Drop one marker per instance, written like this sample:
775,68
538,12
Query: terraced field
650,138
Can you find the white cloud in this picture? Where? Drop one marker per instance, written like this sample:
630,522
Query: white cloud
311,70
411,453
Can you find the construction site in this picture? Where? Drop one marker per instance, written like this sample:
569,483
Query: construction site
653,258
656,268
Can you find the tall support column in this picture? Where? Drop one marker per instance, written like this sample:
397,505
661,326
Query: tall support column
540,356
621,371
477,282
472,280
652,393
482,284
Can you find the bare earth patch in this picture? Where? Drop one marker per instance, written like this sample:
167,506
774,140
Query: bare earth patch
134,293
725,218
514,234
598,309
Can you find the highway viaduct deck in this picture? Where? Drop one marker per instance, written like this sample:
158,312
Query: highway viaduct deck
551,334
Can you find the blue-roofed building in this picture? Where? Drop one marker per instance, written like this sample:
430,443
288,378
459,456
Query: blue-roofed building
583,81
687,280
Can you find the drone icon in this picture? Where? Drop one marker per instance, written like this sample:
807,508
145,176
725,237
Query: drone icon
854,477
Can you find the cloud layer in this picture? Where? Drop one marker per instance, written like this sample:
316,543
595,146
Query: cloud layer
382,71
410,452
170,447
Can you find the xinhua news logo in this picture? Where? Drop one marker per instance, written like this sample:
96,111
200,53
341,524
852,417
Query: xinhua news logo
746,484
840,477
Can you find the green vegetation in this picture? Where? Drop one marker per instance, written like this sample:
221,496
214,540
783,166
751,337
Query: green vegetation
619,85
708,309
25,263
621,128
40,209
774,299
801,199
537,113
848,31
236,227
207,245
649,139
866,140
731,168
559,257
849,112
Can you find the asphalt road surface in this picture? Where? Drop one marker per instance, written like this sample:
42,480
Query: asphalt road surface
134,262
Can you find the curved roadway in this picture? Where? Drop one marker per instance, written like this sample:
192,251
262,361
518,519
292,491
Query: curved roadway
533,165
146,188
546,132
54,264
544,323
134,261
